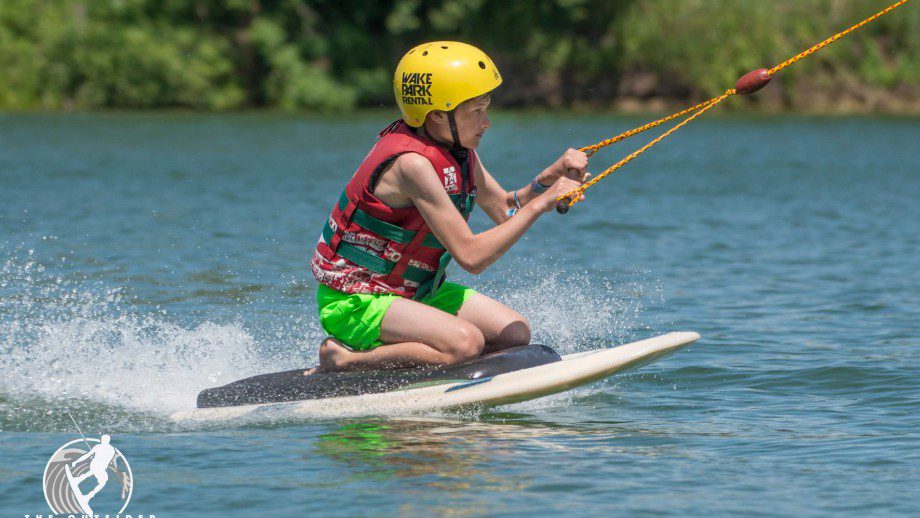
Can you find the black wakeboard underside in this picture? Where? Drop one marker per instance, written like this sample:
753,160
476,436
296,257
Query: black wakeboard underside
294,386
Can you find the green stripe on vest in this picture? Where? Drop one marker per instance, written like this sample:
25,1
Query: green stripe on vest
374,263
385,229
428,281
358,256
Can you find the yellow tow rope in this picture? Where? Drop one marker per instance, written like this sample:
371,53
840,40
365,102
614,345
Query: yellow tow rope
748,84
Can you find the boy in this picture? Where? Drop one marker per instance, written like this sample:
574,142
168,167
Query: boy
403,216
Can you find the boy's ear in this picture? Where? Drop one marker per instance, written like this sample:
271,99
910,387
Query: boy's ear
437,116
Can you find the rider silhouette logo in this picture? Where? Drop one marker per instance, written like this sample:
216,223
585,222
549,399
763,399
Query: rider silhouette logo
85,460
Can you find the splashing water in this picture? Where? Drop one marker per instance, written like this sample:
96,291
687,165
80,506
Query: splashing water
577,311
68,343
72,343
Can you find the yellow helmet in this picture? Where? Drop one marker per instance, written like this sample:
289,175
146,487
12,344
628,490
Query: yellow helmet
439,75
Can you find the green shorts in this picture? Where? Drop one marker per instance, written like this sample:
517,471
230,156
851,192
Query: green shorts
355,319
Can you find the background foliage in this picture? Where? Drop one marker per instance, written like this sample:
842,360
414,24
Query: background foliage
332,55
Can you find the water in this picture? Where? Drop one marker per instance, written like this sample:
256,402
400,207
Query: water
145,257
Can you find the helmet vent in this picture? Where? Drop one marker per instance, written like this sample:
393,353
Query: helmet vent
425,53
443,47
482,65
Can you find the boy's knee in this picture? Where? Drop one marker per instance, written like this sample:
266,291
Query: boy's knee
514,333
518,332
468,344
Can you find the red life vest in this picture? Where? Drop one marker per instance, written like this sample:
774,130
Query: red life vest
369,247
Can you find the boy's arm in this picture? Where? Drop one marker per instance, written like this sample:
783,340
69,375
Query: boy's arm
418,180
495,201
490,196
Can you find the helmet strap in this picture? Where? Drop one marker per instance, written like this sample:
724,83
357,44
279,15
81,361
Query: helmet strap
452,122
454,133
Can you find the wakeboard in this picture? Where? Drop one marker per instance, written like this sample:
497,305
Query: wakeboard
509,376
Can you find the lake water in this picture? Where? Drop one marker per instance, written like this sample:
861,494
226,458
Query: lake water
146,257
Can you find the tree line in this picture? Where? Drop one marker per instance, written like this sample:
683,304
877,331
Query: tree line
328,55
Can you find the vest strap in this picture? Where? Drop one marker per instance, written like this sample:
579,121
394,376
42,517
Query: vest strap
373,263
385,229
440,275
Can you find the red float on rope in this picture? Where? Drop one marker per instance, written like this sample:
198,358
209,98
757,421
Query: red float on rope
752,81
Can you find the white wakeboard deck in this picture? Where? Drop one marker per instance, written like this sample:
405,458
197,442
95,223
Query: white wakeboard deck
512,387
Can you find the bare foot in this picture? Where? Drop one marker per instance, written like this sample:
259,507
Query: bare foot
315,370
333,356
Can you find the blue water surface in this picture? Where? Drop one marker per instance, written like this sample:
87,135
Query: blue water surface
144,257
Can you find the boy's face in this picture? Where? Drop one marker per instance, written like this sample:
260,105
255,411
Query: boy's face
472,122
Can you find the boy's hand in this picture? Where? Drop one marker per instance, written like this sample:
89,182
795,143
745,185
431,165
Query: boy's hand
572,164
547,200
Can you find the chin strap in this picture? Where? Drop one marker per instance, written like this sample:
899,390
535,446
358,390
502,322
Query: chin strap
452,122
454,134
